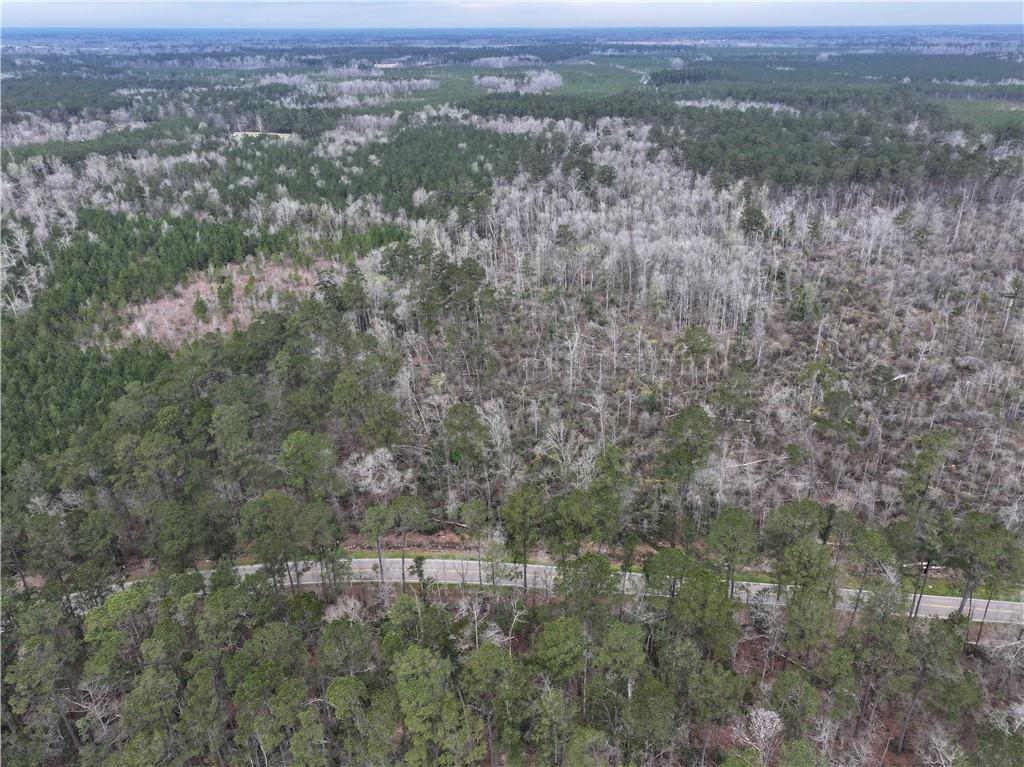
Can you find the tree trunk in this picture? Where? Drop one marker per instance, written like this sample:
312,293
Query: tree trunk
915,604
480,562
288,572
403,563
906,720
856,602
874,710
490,741
984,615
68,605
67,724
584,690
18,567
778,580
322,564
380,562
968,593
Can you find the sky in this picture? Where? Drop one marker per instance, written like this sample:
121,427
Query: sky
424,14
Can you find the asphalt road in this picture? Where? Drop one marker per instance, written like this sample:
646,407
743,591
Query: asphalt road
542,578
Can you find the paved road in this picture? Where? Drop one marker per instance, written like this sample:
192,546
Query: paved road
542,578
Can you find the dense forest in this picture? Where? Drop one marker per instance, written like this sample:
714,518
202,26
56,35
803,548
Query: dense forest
727,332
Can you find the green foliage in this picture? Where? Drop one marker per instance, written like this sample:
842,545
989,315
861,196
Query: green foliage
200,309
495,684
184,532
787,149
678,659
799,753
587,587
732,539
697,344
422,157
438,730
651,718
794,698
748,757
752,221
433,332
806,565
612,482
39,676
345,697
308,461
521,515
686,444
366,412
559,649
271,524
791,522
149,714
997,747
621,656
569,523
309,743
666,570
226,297
553,725
132,260
345,648
803,306
715,694
983,550
933,674
304,611
922,467
411,622
703,611
587,748
466,436
169,135
113,630
203,723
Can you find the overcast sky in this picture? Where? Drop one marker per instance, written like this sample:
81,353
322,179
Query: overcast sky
346,14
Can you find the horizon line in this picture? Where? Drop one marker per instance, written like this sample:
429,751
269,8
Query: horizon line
931,25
